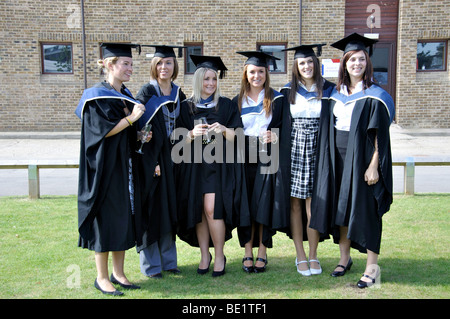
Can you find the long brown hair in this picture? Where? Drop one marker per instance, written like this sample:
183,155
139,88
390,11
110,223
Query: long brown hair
245,88
296,78
344,77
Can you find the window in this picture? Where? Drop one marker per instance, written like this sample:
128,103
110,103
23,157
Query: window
195,49
56,58
431,56
275,49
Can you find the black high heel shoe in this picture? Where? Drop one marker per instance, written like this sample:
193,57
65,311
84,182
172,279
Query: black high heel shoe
112,293
221,272
204,271
364,284
263,268
115,281
249,269
342,272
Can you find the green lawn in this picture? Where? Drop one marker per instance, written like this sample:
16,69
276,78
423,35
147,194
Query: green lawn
40,259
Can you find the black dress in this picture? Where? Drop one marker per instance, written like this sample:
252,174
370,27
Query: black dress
268,192
223,177
105,216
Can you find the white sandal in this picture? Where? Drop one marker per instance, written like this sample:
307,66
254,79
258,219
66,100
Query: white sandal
305,273
315,271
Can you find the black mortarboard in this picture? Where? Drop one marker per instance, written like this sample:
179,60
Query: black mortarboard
259,58
304,51
355,42
119,49
210,62
166,51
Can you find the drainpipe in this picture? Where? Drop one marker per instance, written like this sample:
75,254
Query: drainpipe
300,22
84,44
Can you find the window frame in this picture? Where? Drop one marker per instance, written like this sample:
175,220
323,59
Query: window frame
444,58
42,44
186,56
258,47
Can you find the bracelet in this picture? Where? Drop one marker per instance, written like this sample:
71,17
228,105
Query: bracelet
129,122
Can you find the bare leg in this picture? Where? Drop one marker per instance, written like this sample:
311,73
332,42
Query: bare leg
372,259
118,259
202,231
344,248
297,231
101,262
313,237
216,230
249,249
262,250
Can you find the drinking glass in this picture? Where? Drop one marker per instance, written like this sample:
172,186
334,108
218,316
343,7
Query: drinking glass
146,132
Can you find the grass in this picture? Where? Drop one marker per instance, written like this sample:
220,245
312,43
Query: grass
40,259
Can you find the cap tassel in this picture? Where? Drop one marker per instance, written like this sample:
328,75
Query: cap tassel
180,52
319,51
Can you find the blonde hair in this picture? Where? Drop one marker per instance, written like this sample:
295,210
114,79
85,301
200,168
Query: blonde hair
154,72
197,85
103,64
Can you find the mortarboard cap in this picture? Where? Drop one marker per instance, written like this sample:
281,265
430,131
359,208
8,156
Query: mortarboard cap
259,58
355,42
304,51
210,62
118,49
166,51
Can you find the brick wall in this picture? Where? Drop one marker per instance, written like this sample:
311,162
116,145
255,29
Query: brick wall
32,101
423,98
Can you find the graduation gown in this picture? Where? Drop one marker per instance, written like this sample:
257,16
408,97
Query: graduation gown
230,195
327,90
269,200
105,220
157,216
362,205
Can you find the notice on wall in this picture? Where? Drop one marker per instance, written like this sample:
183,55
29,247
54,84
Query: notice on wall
330,68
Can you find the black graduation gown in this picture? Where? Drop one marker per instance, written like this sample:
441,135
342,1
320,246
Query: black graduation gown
362,205
327,89
230,196
269,200
105,219
157,216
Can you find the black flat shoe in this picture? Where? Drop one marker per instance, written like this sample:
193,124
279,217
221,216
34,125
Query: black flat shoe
174,271
115,281
112,293
364,284
222,272
249,269
263,268
342,272
204,271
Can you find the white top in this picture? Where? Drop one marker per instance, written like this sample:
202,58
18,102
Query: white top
254,122
343,112
303,107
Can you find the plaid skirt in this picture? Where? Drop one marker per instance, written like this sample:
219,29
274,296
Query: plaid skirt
304,134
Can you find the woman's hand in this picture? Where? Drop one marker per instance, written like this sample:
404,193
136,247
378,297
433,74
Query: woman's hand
217,128
138,111
199,130
157,171
144,137
269,137
371,175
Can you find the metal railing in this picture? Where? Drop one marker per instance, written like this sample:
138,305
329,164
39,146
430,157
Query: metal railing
33,167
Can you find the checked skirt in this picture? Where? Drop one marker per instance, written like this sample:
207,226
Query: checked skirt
304,134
